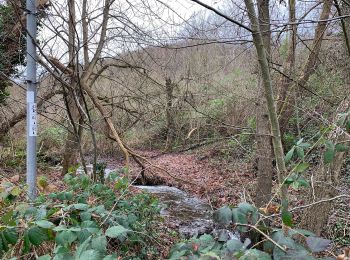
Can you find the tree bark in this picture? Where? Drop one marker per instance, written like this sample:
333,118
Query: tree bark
266,78
169,88
72,144
263,132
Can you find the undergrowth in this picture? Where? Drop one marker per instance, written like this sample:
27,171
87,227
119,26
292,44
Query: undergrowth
88,220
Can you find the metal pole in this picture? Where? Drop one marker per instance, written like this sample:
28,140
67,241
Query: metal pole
31,98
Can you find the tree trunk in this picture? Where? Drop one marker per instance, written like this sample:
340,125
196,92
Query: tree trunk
287,89
263,132
266,78
326,179
73,138
71,149
170,135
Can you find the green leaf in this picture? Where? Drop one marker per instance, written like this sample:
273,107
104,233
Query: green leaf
90,226
254,254
304,145
116,231
8,219
99,243
80,206
289,180
341,147
328,156
300,141
11,236
301,182
300,152
90,255
15,191
234,245
85,216
289,155
37,235
317,244
83,247
223,216
287,218
83,235
60,228
45,224
69,195
66,238
44,257
301,231
4,242
26,243
329,153
302,167
64,256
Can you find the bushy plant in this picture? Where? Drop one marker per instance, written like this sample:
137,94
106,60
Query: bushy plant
276,243
86,221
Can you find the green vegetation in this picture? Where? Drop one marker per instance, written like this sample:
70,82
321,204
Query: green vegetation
296,244
86,221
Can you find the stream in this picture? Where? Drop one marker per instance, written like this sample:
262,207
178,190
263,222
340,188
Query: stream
190,215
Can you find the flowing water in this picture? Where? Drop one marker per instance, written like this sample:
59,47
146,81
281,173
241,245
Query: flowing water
190,215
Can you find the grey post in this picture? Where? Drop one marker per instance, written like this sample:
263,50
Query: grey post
31,98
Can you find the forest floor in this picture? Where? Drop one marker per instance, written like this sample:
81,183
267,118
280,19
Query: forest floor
198,174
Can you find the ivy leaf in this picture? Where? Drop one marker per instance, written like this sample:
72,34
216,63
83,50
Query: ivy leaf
302,167
116,231
317,244
44,257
